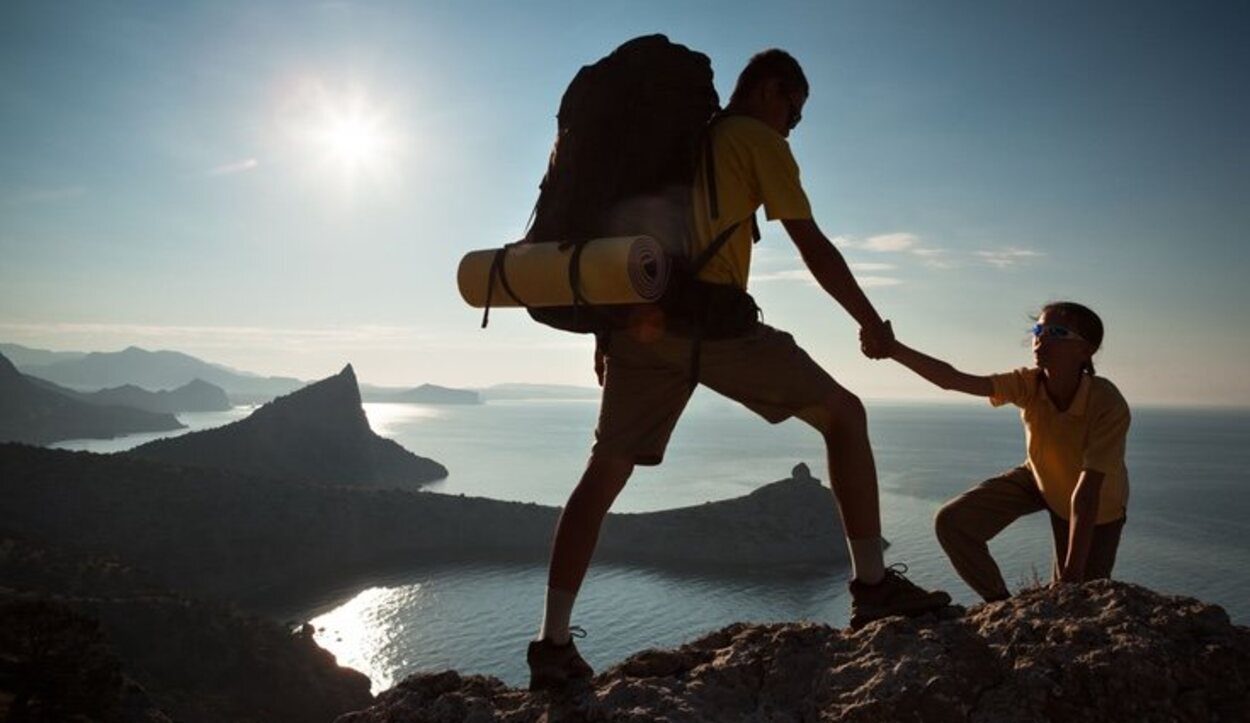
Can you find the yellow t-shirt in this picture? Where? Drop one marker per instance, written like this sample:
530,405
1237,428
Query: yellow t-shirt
754,167
1090,435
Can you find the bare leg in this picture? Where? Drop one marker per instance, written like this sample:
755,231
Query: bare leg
852,471
577,532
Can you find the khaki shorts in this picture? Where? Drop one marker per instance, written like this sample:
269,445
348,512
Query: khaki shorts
647,384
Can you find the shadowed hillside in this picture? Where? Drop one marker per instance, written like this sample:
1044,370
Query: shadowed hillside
33,414
228,535
93,635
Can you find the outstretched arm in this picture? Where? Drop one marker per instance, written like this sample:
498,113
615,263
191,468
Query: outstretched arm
941,373
834,276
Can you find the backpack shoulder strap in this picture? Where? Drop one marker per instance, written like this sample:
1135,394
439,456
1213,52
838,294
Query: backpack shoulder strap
713,200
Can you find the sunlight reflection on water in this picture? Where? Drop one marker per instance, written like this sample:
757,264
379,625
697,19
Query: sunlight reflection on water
364,632
385,418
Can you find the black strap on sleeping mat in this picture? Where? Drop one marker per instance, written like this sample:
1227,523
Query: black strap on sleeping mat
498,272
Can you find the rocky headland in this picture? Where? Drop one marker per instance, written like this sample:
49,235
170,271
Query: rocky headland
240,537
32,413
1096,653
318,434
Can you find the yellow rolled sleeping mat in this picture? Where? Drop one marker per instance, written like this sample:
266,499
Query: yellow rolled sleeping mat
616,270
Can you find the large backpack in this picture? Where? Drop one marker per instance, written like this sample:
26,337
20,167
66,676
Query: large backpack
631,129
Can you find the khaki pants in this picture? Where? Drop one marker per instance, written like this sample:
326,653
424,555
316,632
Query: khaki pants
968,522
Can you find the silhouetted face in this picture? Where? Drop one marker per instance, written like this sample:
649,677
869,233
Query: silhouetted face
1058,345
794,110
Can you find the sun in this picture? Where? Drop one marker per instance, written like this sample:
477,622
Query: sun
342,134
354,137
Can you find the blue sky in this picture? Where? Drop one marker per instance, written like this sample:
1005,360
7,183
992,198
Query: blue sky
177,175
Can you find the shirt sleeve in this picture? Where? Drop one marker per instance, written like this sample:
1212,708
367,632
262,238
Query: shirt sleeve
778,176
1014,387
1108,433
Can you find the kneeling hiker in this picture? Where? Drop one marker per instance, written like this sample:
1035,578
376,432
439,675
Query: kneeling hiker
646,371
1075,428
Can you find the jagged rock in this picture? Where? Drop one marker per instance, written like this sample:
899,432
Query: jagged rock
33,414
1104,651
317,434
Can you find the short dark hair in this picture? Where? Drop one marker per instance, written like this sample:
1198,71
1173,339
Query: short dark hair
1087,323
772,64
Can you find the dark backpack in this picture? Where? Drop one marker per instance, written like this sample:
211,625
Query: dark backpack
631,129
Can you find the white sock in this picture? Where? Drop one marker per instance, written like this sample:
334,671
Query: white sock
867,560
556,614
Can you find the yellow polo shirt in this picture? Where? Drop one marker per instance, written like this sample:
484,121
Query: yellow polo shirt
1090,434
754,167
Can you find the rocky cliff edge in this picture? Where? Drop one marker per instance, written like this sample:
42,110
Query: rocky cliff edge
1103,651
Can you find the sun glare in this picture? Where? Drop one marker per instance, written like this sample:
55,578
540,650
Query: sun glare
345,134
354,139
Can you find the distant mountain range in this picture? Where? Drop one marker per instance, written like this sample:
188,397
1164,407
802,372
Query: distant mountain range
195,396
424,394
33,413
147,369
317,434
168,370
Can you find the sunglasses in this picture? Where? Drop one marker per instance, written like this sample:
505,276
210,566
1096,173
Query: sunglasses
1054,331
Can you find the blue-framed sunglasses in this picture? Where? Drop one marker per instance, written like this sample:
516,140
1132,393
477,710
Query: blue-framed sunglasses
1054,331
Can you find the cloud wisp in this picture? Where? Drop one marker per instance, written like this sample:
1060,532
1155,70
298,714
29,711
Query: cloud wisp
909,244
234,167
803,276
45,195
1006,258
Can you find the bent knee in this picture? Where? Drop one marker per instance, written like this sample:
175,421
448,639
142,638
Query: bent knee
842,412
950,519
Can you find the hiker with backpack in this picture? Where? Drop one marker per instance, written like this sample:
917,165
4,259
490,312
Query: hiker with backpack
649,359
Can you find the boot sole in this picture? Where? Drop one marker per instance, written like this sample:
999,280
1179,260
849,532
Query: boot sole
859,621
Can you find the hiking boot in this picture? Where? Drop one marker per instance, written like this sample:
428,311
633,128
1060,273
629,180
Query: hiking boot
894,595
554,667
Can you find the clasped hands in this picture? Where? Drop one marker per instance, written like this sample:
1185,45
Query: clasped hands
877,342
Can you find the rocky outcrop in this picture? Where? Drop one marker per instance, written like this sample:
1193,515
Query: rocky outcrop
33,414
318,434
1099,652
92,636
227,535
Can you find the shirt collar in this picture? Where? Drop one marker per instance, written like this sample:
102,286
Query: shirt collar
1080,402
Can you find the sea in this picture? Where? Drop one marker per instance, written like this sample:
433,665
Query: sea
1188,530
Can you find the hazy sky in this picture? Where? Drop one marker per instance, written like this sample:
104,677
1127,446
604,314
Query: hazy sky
288,187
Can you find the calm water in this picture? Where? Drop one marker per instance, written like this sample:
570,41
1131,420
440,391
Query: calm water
1188,530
